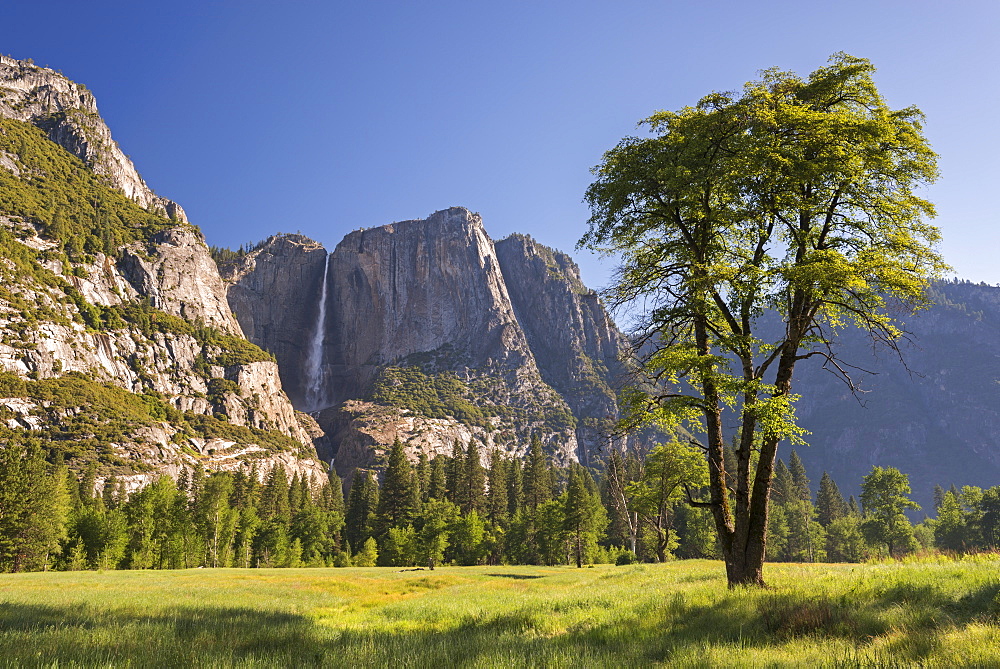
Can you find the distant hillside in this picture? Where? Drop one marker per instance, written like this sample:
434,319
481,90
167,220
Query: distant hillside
937,418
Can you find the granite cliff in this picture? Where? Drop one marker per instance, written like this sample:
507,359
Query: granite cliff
431,333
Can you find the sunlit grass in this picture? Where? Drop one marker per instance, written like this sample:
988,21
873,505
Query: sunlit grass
941,613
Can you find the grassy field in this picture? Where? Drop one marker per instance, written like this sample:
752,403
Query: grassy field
677,614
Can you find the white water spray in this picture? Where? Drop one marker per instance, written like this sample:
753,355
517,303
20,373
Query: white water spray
315,392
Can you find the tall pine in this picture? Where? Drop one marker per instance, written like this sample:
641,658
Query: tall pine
396,498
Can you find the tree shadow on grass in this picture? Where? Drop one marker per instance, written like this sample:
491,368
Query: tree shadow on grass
180,636
517,576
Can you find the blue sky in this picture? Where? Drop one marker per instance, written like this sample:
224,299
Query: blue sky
323,117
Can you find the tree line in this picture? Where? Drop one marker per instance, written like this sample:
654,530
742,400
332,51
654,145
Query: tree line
454,510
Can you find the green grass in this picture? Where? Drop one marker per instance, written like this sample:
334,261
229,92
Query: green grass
678,614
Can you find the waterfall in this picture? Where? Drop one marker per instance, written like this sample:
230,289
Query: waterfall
315,393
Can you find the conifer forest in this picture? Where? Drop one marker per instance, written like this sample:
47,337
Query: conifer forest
457,510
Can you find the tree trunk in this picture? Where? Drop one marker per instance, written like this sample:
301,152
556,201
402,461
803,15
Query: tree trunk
744,538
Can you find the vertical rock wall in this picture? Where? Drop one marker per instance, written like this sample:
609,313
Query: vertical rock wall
580,356
274,292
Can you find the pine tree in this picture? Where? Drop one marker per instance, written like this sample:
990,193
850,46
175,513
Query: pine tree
582,512
784,488
109,492
515,493
88,483
437,486
361,505
274,502
475,481
950,530
423,474
396,497
830,504
536,482
938,496
438,515
456,473
295,497
499,487
333,505
34,507
800,482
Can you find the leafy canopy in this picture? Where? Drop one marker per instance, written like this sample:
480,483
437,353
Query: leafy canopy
797,195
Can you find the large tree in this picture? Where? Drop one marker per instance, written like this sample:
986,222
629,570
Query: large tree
796,197
884,498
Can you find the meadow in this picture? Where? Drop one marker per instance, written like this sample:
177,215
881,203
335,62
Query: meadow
927,613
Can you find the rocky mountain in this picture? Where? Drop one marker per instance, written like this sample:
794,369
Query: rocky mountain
580,359
117,342
427,331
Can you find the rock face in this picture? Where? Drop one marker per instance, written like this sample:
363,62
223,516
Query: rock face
68,112
180,278
581,356
417,287
533,347
274,292
152,319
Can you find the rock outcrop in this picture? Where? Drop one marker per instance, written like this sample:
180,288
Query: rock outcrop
175,272
68,112
274,292
423,286
581,357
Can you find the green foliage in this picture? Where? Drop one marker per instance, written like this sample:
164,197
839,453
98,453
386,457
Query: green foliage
34,504
584,518
368,555
399,547
669,469
219,388
225,350
444,394
436,396
223,255
59,194
362,504
439,515
81,418
884,497
830,504
211,427
398,496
